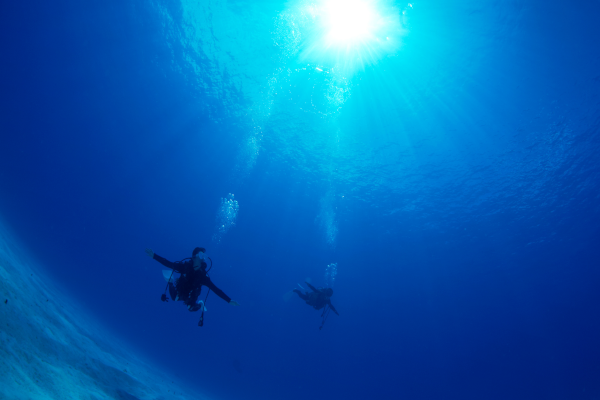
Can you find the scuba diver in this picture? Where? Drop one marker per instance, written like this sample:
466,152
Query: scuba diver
318,298
189,284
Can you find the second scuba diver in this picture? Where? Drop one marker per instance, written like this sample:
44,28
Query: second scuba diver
318,298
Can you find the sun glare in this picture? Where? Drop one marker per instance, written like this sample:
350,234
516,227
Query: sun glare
350,21
345,35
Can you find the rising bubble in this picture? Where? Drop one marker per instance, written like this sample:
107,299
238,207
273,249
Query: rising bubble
226,216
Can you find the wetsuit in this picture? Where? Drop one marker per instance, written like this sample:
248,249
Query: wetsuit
191,280
317,298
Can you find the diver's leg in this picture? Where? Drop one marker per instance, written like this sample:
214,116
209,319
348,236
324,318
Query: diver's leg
183,290
208,283
192,303
194,295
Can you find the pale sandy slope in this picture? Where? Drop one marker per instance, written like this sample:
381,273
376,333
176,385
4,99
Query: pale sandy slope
48,350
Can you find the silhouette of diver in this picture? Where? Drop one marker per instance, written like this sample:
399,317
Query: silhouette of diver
318,299
193,275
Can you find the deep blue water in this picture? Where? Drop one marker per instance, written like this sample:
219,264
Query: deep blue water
453,177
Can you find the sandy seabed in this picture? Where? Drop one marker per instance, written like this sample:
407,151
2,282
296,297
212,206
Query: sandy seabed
49,351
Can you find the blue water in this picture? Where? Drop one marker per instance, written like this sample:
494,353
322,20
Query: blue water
452,175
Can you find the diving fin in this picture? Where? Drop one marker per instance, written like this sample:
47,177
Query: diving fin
170,275
201,304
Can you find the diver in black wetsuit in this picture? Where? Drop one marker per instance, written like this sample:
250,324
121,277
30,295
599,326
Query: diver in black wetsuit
193,276
318,298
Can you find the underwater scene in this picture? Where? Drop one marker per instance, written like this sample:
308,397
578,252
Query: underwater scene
301,199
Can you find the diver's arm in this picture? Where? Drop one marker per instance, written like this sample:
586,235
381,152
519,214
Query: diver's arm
333,308
312,287
209,284
166,262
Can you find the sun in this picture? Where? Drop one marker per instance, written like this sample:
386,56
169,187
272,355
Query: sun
350,22
345,35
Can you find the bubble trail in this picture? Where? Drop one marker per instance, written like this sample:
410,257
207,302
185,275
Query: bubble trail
226,216
330,273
